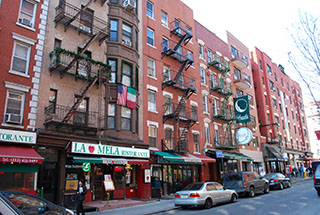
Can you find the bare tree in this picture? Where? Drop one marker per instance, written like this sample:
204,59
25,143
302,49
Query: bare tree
305,59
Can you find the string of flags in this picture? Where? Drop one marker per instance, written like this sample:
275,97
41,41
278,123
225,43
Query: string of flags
126,96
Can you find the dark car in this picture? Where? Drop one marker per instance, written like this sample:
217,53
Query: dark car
28,204
246,183
316,180
278,181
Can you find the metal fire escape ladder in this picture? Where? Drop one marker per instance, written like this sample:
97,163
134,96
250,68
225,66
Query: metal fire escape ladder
67,24
79,100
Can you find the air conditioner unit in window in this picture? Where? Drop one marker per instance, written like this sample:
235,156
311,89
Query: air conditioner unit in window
25,21
129,4
85,29
13,118
127,42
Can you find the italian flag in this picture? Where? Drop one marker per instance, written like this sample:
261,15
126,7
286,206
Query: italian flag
131,98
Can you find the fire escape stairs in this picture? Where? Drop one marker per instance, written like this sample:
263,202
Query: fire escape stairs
79,100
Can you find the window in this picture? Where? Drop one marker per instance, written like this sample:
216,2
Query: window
113,30
260,64
21,57
239,93
277,120
266,99
263,84
246,78
200,51
152,133
126,74
165,44
268,117
305,132
167,105
152,106
215,107
281,82
14,107
57,43
81,114
295,129
234,52
194,112
168,138
274,103
250,99
216,136
150,37
275,77
111,116
207,132
210,57
86,20
237,74
114,1
271,85
27,13
113,64
151,67
164,19
149,9
166,73
203,76
195,138
190,55
127,35
205,104
125,118
292,114
213,80
52,101
137,41
269,70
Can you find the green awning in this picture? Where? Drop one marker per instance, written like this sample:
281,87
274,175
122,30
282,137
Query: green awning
78,159
167,156
236,156
18,167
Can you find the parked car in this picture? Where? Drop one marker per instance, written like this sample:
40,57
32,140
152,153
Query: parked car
278,180
204,194
17,203
316,180
246,183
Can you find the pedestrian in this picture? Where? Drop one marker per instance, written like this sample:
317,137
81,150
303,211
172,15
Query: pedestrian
81,193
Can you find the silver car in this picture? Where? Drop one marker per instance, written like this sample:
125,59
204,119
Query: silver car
204,194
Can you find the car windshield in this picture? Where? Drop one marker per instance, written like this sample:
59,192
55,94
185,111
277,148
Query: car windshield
195,186
269,176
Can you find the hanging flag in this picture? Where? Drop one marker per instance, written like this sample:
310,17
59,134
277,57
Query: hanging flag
122,95
317,134
131,98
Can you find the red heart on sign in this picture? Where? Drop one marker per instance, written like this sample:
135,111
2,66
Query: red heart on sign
91,149
148,178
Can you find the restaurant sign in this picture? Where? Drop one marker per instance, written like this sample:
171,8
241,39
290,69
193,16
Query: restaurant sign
100,149
16,136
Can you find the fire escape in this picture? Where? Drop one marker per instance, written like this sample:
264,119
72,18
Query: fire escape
79,65
184,118
223,109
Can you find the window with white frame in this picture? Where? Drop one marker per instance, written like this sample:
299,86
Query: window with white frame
111,116
152,105
216,136
215,107
20,58
164,19
166,73
210,58
168,138
113,64
167,105
125,118
127,35
213,80
200,51
205,104
194,112
150,37
196,142
149,9
151,67
207,132
203,76
126,74
165,44
152,133
27,13
14,107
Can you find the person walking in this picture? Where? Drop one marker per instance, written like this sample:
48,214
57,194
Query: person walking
81,193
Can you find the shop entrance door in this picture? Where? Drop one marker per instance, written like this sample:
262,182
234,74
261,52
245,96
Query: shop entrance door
47,179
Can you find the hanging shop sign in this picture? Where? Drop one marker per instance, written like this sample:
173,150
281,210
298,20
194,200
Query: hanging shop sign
100,149
15,136
86,167
243,135
241,108
219,154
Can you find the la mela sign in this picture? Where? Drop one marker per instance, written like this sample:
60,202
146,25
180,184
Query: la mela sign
18,136
99,149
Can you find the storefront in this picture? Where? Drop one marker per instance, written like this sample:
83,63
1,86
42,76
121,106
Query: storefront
274,160
18,161
96,162
256,165
175,171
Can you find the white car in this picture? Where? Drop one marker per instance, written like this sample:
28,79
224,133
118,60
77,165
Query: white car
204,194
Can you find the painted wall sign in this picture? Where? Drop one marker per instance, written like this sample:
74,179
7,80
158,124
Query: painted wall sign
15,136
241,108
243,135
100,149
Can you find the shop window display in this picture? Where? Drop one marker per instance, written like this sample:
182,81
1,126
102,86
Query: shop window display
17,181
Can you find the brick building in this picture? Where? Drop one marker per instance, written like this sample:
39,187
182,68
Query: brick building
21,40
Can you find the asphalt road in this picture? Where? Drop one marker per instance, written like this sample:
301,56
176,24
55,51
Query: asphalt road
301,199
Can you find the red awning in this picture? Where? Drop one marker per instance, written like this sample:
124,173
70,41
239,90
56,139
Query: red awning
205,159
137,161
19,154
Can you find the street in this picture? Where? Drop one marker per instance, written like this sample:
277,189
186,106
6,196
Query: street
298,200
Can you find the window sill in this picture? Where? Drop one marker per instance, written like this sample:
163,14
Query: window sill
11,125
151,18
153,148
197,153
24,26
206,113
167,27
204,85
18,73
153,111
151,46
152,77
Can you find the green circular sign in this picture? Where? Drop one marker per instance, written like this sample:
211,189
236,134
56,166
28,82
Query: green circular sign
86,167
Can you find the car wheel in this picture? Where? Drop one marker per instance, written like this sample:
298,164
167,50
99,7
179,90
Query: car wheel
289,184
208,203
251,192
266,188
280,186
233,198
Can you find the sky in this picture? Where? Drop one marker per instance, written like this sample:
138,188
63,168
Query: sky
262,24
